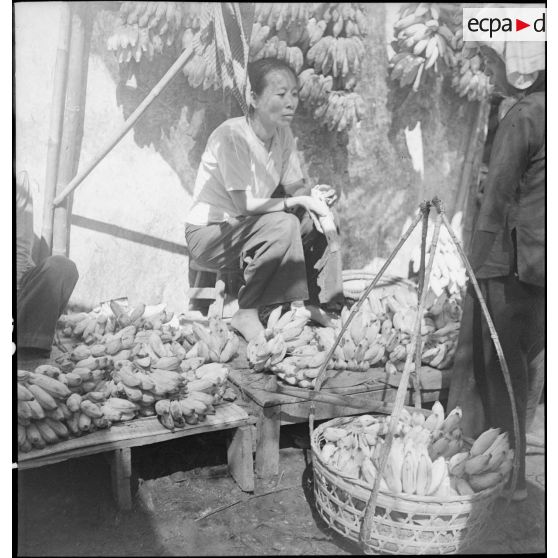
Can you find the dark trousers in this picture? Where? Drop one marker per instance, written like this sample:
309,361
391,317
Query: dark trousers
41,299
517,310
281,255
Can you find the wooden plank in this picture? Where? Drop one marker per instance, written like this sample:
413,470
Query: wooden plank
430,378
121,473
253,385
267,444
240,458
132,433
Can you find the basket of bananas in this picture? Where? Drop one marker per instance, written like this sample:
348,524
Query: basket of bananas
437,491
409,483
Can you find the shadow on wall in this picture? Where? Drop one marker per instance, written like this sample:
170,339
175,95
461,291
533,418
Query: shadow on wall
179,121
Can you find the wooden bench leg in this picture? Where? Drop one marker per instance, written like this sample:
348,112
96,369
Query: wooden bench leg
240,459
267,446
121,471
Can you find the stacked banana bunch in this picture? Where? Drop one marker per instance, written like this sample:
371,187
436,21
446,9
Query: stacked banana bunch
282,334
422,38
341,111
418,462
147,27
48,411
91,327
205,388
469,78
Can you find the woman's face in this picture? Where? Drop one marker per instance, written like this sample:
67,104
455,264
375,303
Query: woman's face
276,105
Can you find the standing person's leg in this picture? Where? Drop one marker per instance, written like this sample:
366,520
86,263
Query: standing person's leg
41,299
508,303
268,249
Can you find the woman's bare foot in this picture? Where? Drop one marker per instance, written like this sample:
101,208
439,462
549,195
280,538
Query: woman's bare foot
316,314
247,323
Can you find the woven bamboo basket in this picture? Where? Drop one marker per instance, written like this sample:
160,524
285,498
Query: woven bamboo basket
403,524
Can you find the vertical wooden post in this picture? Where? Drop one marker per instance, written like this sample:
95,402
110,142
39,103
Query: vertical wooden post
72,134
56,115
121,472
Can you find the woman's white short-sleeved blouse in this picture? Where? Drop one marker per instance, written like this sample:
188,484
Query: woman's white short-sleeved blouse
236,159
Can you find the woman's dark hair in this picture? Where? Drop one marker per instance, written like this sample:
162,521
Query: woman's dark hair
258,71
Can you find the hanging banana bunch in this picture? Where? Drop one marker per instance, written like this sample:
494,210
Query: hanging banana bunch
424,36
322,42
149,27
469,78
341,111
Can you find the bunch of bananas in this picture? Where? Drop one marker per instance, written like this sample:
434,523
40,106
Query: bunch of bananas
47,411
469,78
204,390
340,18
283,334
314,88
422,38
338,56
417,462
277,48
278,16
147,27
341,111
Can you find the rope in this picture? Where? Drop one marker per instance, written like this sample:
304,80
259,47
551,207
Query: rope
224,29
320,378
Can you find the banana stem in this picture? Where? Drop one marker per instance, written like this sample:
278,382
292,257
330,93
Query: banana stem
321,374
495,340
366,525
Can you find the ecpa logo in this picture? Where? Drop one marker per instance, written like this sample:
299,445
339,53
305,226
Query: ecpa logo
504,24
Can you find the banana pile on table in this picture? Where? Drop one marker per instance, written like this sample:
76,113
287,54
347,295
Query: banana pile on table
148,342
48,411
379,335
427,456
53,405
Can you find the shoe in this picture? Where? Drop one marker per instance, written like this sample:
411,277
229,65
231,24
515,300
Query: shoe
519,495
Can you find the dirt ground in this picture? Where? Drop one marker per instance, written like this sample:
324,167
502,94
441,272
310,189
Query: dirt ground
67,509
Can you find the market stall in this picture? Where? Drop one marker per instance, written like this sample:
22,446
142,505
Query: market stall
404,477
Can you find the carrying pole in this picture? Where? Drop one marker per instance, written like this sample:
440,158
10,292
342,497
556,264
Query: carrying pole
55,131
366,525
132,119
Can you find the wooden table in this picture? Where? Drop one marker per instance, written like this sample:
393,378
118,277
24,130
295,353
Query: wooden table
273,410
122,437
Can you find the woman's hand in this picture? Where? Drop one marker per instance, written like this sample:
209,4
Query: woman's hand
314,206
325,193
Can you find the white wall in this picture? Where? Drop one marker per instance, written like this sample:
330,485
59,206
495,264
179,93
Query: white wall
132,188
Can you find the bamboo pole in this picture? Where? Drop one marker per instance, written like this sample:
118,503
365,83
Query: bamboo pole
366,525
56,116
132,119
73,120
